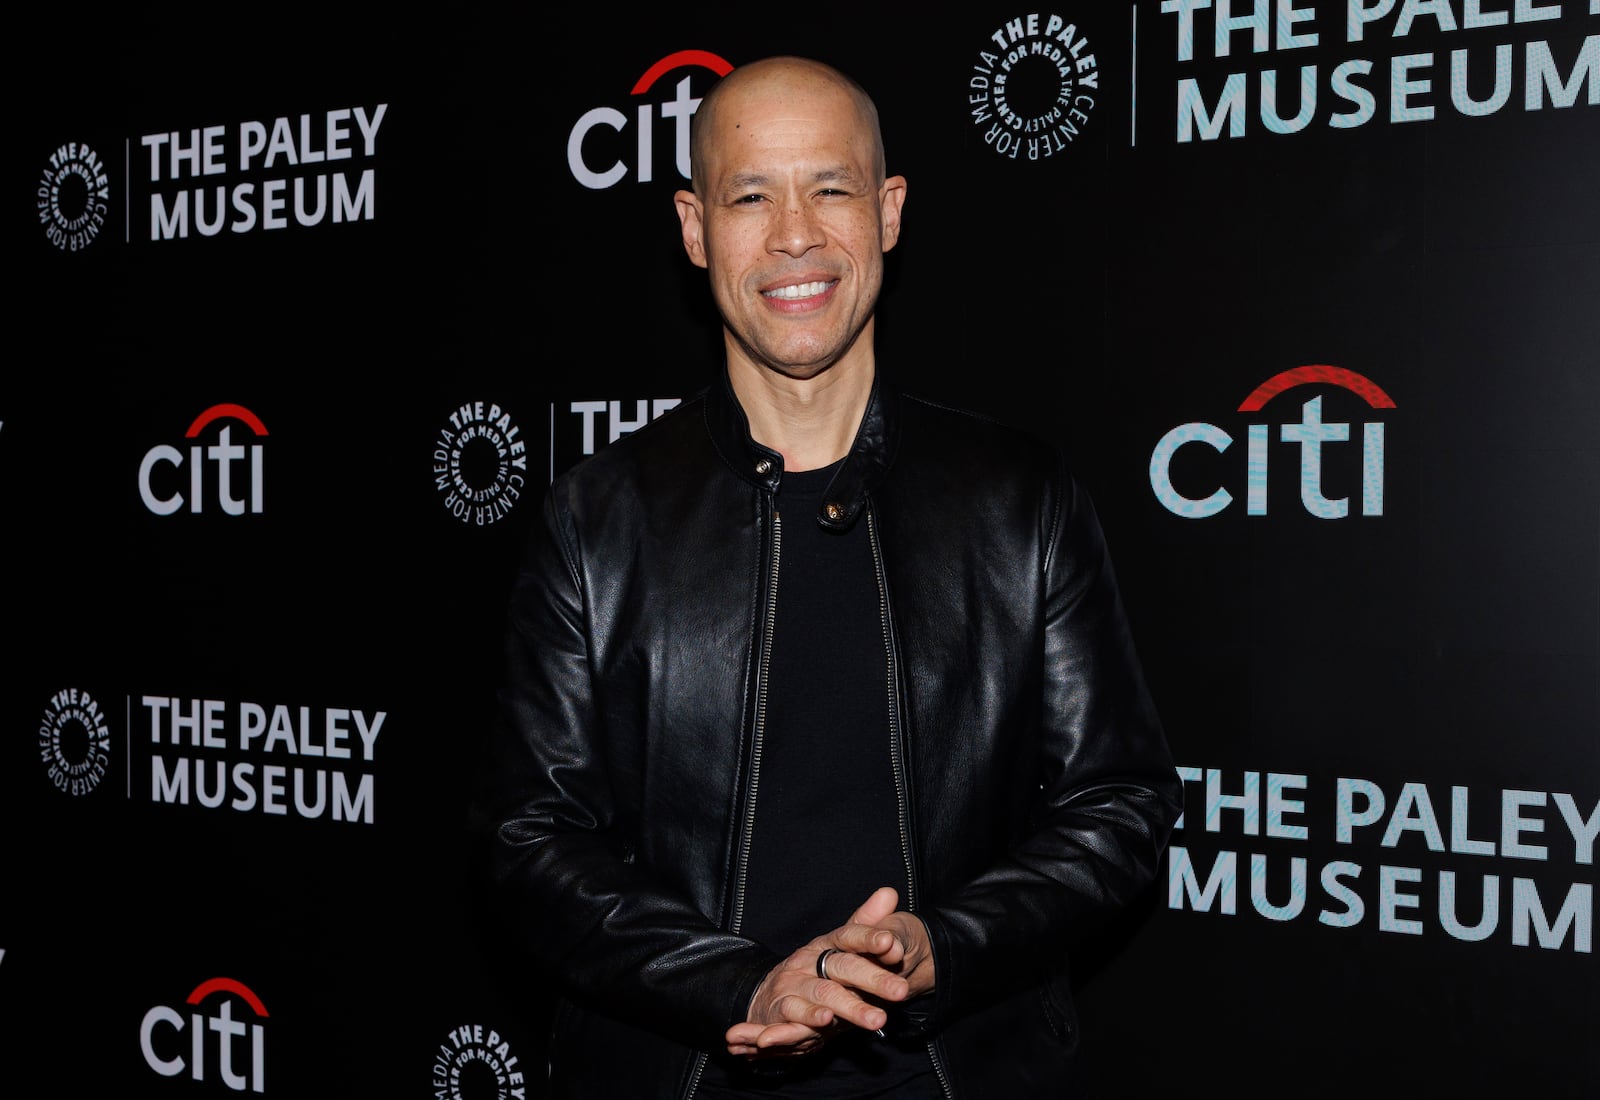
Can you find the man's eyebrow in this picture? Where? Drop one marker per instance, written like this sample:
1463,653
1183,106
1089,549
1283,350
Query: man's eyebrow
756,181
838,174
748,181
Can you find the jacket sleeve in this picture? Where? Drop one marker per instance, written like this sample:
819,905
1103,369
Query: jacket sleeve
1109,792
562,879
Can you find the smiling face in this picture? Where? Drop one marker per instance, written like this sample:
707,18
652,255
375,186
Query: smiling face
791,215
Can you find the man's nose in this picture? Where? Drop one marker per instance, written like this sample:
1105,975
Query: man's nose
795,230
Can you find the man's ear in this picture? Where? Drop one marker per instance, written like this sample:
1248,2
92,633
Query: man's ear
891,196
689,217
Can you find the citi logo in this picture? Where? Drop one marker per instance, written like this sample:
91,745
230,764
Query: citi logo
587,158
162,1041
1312,435
223,474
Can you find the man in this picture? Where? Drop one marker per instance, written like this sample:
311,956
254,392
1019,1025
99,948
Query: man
823,730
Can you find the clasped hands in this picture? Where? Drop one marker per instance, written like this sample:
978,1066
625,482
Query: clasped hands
880,955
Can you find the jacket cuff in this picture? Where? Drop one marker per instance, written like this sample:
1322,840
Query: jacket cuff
921,1016
737,1010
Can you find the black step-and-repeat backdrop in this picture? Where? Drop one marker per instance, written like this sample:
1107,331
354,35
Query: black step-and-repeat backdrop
307,311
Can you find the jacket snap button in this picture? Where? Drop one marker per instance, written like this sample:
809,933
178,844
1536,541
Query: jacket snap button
763,466
833,511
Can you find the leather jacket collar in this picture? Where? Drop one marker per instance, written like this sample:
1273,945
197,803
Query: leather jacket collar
863,470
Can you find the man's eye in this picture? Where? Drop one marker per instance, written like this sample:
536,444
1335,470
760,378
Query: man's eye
747,200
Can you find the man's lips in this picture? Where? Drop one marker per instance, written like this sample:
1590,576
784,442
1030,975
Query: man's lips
799,291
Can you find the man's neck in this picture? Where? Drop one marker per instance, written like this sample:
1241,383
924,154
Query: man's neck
811,422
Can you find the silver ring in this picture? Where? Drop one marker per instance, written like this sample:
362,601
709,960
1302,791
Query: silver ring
822,961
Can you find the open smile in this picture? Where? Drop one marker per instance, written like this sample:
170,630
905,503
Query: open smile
799,290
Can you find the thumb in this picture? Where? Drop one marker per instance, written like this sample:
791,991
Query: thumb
878,907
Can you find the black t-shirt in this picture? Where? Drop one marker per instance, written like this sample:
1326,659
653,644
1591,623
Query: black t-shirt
826,830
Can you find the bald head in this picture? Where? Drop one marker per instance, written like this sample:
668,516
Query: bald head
791,214
776,79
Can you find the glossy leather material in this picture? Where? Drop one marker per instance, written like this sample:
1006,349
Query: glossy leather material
1039,790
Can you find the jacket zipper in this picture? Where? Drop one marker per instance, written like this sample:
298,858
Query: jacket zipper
760,725
897,760
742,862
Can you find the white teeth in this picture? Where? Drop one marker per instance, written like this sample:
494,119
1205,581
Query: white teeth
802,290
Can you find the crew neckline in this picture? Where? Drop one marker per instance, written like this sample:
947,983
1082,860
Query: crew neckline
808,483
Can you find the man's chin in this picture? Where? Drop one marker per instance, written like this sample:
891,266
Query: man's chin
798,363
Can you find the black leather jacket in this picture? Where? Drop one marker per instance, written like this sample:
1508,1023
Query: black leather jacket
1037,791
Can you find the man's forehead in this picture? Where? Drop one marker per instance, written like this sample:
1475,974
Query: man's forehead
803,91
779,115
797,130
791,132
792,113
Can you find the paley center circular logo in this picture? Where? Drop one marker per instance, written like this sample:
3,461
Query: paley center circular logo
1033,86
475,1063
73,196
480,463
74,743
